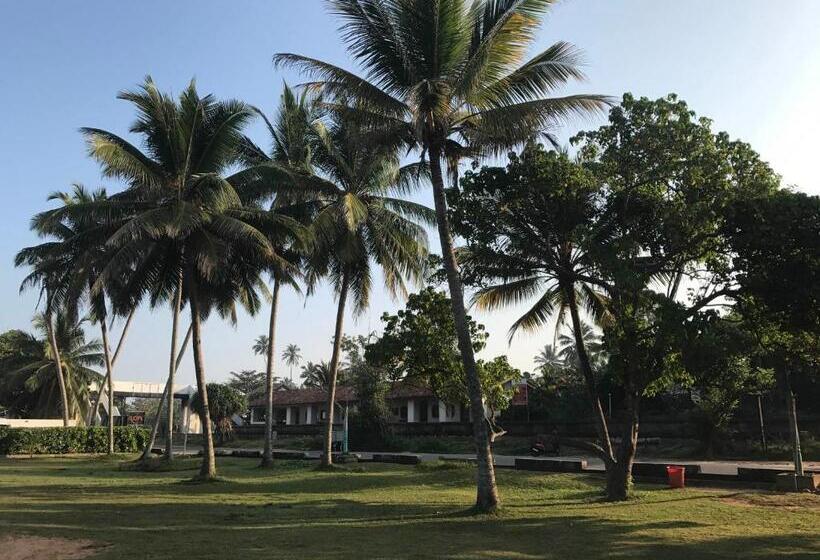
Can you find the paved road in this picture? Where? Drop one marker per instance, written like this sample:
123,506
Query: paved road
711,467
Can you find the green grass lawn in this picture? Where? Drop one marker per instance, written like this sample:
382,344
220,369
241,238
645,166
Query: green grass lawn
384,511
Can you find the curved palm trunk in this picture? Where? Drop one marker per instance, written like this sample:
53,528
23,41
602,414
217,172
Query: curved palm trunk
267,454
601,424
327,457
109,374
487,491
55,351
95,409
146,452
208,469
155,428
172,368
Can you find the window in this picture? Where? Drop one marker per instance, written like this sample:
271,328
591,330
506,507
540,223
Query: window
451,411
434,409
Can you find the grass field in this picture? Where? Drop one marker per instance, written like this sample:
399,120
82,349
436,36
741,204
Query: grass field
383,511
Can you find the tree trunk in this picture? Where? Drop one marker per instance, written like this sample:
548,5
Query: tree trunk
55,351
95,410
486,490
208,469
589,376
327,457
172,368
146,452
619,478
267,454
795,432
109,375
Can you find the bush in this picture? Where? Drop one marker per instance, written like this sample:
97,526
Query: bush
37,441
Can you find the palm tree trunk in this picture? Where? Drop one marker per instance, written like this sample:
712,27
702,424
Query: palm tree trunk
487,491
109,375
172,368
146,452
58,364
95,410
589,376
208,469
327,457
267,454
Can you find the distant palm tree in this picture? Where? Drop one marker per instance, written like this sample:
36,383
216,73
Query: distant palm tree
187,236
592,342
30,376
292,357
316,376
450,78
261,345
549,358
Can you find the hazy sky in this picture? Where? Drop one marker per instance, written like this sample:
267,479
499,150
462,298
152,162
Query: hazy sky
753,66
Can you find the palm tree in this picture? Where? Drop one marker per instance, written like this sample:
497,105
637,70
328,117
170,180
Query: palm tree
78,245
359,223
187,236
449,77
317,376
591,341
290,136
292,357
31,375
549,358
261,345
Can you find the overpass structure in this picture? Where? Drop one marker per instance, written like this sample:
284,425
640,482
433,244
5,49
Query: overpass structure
138,389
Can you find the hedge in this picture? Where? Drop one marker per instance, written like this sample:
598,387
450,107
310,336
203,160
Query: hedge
94,439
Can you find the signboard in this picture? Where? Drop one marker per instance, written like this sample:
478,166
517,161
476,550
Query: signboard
520,395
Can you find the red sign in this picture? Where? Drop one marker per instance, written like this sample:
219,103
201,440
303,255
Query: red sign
521,395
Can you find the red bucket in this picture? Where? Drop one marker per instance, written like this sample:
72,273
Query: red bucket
676,476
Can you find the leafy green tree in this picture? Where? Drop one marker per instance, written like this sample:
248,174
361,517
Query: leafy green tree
526,226
450,78
776,266
223,403
668,182
723,360
419,345
249,382
29,385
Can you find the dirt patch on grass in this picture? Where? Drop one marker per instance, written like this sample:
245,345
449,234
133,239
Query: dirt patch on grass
27,547
794,500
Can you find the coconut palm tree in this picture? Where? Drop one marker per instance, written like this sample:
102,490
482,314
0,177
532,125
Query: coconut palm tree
292,357
592,341
449,77
77,243
549,358
317,376
290,153
358,223
187,237
31,375
261,345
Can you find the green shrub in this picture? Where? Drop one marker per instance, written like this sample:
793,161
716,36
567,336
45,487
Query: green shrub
36,441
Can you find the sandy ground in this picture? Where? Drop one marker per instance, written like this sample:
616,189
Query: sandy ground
26,547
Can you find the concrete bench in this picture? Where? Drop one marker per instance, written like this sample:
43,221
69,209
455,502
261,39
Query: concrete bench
551,465
748,474
658,470
400,459
289,455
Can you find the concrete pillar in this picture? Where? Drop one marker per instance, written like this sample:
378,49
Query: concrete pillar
442,411
309,414
411,411
288,416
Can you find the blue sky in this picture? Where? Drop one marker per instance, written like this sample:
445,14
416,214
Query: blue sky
753,66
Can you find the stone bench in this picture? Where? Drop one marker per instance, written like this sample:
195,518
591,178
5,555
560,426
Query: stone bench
551,465
658,470
400,459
